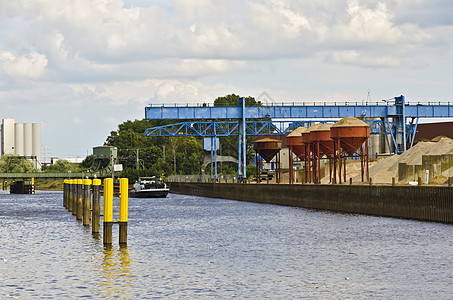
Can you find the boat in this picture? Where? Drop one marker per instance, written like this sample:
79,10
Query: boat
149,188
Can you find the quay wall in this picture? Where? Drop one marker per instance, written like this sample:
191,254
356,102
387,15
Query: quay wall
426,203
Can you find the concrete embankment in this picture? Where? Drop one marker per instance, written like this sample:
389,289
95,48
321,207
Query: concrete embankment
427,203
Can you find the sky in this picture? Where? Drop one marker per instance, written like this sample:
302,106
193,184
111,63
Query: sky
82,67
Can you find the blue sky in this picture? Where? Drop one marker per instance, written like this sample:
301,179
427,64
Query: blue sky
82,67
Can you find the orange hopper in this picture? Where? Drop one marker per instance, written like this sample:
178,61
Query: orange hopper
321,135
267,148
349,135
294,142
351,132
308,151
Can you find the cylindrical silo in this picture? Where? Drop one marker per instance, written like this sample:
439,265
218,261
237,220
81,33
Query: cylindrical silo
8,129
37,143
28,139
19,139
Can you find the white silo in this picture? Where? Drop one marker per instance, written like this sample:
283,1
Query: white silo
37,143
8,136
28,139
19,139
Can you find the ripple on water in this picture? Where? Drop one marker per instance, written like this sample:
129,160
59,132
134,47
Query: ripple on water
194,247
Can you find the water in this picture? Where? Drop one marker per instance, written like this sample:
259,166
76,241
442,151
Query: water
185,247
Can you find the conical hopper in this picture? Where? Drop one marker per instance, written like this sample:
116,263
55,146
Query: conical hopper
267,148
321,134
351,132
294,141
306,133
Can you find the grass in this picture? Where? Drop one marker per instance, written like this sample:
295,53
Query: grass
49,185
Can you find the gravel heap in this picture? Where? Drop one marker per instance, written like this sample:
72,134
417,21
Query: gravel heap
385,169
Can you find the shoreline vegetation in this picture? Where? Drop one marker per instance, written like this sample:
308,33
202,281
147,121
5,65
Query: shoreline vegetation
49,185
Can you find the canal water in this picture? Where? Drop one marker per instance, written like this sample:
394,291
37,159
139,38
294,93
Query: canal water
185,247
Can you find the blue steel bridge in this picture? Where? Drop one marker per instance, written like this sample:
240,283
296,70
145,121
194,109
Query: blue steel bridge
394,118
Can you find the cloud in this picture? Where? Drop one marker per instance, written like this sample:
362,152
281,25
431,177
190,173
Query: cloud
106,41
27,66
355,58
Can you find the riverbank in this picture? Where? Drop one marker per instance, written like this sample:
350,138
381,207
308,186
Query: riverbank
425,203
49,185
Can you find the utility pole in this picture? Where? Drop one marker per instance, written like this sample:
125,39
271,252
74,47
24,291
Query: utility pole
137,160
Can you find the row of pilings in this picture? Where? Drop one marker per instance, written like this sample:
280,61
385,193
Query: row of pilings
82,197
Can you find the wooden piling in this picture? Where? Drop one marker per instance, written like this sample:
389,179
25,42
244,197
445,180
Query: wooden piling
124,194
86,202
96,214
108,210
79,213
74,196
65,193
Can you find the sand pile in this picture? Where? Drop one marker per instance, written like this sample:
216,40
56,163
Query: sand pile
350,122
438,180
353,170
387,168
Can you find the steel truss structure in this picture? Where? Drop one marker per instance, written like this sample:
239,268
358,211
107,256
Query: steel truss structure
389,119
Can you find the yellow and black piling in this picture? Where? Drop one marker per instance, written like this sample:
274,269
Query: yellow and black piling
86,202
74,197
65,193
124,190
108,210
96,214
79,199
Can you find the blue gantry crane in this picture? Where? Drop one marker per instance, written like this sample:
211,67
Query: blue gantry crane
394,118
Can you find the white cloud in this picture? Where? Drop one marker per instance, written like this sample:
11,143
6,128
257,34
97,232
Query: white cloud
357,59
28,66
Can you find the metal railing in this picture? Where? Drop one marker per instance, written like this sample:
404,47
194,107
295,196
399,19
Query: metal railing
201,178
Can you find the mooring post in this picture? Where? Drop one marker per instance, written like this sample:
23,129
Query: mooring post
86,202
124,190
79,199
70,195
449,181
393,181
66,189
108,210
65,193
74,197
96,219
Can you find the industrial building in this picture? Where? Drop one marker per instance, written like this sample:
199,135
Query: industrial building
22,139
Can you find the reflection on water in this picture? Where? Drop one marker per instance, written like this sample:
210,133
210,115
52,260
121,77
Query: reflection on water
116,274
192,247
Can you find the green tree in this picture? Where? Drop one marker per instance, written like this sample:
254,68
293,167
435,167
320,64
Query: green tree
229,145
186,151
61,166
233,100
87,162
15,164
